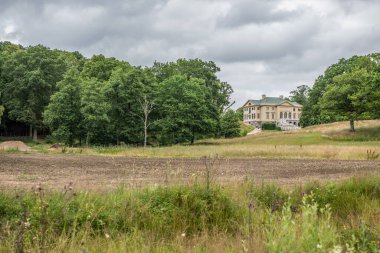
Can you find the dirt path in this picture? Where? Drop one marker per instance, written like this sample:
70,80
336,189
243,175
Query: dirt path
106,172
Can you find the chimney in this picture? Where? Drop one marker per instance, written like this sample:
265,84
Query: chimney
281,96
263,96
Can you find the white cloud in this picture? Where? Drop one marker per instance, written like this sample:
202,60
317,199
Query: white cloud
261,46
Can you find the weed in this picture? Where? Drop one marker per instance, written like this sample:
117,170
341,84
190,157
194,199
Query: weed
371,155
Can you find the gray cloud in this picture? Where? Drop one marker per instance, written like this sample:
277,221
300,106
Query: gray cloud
262,46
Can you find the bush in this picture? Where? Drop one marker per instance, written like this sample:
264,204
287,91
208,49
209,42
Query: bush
269,126
304,232
162,211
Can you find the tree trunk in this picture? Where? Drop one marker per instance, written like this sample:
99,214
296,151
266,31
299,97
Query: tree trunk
145,132
87,139
34,134
30,131
352,125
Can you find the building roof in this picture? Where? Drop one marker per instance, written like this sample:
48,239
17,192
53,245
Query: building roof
272,101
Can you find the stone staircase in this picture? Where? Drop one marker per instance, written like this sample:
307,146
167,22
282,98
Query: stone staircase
286,126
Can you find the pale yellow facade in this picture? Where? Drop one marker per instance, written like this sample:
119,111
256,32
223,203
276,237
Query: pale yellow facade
271,109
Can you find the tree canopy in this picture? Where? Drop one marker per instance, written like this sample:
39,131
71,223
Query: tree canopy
348,90
105,101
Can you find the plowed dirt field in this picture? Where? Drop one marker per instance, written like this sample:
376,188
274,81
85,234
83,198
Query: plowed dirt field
109,172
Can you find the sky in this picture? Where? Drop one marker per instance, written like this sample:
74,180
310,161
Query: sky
262,46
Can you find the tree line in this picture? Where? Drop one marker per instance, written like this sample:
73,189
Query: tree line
347,90
105,100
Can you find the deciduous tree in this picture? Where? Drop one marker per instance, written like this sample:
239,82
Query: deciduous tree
63,115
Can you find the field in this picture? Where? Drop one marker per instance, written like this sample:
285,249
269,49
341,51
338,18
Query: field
109,172
316,190
331,141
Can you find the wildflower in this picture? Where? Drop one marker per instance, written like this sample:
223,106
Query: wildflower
245,248
337,249
27,224
319,246
183,234
107,235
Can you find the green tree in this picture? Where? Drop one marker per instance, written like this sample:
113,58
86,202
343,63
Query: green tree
124,92
343,99
240,113
184,111
230,124
315,111
101,68
300,95
217,92
29,78
63,115
1,112
95,110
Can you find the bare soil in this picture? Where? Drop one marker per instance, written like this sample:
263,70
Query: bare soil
14,145
109,172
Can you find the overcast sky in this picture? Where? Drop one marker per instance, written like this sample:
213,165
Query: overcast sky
263,47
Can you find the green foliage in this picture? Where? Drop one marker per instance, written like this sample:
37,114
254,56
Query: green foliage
123,93
163,211
270,196
1,112
300,95
63,115
184,111
217,92
309,231
348,90
245,129
100,67
103,100
95,110
307,219
269,126
28,79
230,124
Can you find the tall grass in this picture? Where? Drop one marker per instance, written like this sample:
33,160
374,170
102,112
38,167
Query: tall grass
331,141
332,217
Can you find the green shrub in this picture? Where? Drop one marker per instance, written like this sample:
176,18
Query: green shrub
270,196
269,126
162,211
304,232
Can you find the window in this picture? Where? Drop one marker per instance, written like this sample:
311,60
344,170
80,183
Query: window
272,108
299,109
258,115
294,109
253,108
281,115
249,116
254,116
267,115
267,108
294,115
272,115
285,115
290,115
249,110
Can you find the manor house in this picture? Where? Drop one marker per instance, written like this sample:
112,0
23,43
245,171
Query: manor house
283,113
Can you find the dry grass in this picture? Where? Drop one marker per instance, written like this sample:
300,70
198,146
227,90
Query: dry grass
338,152
343,125
329,141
